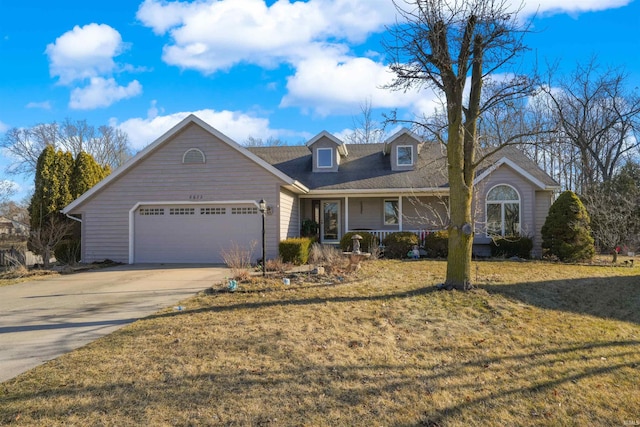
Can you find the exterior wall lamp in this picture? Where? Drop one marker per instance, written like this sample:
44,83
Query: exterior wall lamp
262,207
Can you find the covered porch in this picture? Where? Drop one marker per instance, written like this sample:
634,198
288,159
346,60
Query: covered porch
378,214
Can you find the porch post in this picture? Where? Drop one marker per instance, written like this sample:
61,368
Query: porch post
346,214
400,213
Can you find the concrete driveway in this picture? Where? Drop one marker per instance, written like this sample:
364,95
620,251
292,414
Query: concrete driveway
43,319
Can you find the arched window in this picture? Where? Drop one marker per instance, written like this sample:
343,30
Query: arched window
193,155
503,211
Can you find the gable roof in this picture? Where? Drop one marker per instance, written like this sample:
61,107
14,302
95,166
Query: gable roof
398,134
342,148
290,183
367,169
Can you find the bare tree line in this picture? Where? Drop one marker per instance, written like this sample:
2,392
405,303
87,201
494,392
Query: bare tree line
107,145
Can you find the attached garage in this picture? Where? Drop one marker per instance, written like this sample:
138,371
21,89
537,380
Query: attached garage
194,233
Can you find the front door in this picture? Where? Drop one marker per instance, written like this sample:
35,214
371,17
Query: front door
330,221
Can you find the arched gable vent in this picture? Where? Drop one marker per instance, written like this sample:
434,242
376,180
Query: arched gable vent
193,155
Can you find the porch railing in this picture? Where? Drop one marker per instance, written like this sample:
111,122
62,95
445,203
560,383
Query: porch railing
381,234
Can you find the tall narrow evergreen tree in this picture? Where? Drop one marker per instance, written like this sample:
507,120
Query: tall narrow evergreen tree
566,232
59,180
64,169
86,173
45,193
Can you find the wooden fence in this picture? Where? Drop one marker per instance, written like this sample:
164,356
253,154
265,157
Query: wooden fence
15,257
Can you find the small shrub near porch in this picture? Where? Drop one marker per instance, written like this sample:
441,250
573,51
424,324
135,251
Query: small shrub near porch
510,246
295,250
437,244
396,245
367,244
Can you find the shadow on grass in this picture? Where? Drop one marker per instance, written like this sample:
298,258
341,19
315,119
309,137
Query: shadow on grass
301,301
610,298
298,391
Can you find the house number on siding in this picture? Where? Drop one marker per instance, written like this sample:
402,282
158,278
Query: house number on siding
195,197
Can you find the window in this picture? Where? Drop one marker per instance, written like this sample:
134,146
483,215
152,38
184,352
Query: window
244,211
405,155
151,211
193,155
182,211
325,157
503,211
212,211
390,212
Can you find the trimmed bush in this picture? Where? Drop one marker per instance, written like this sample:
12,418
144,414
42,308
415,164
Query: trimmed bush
396,245
368,241
437,244
67,252
566,233
510,246
295,250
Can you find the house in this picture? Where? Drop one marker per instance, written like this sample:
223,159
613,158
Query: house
193,195
10,227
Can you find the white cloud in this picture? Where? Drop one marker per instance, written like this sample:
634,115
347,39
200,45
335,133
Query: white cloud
549,7
101,93
338,85
215,35
236,125
84,52
315,37
84,58
45,105
3,127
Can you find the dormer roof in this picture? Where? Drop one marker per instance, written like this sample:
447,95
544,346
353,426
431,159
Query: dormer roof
396,136
342,148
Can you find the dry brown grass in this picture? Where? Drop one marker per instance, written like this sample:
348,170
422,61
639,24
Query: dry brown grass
20,274
535,344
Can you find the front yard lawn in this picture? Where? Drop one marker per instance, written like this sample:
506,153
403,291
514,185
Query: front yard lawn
535,344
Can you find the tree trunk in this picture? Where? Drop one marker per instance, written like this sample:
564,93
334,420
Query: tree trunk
46,258
460,240
460,198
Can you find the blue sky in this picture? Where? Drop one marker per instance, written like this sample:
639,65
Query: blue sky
280,69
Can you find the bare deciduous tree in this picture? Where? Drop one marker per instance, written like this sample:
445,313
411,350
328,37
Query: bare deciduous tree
598,121
448,46
51,232
365,129
259,142
107,145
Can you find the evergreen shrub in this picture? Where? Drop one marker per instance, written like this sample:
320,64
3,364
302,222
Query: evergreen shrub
566,233
368,241
510,246
398,244
295,250
437,244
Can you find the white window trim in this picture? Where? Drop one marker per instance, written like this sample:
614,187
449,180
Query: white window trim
502,203
318,158
384,210
184,156
410,147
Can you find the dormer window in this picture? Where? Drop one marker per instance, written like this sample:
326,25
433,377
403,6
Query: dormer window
405,155
325,157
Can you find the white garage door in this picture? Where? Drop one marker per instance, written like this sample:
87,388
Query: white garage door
195,233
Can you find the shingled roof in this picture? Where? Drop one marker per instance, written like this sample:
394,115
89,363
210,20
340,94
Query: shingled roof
367,168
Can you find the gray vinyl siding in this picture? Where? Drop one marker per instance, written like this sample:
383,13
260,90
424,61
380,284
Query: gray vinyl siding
289,215
425,213
544,199
418,213
162,177
365,213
